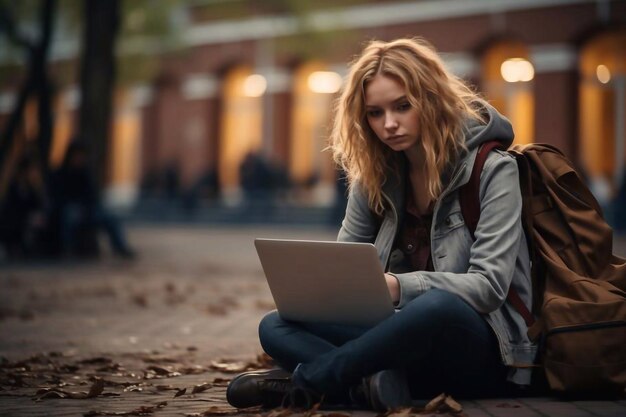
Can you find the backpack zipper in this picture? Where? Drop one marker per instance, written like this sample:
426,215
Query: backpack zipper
583,327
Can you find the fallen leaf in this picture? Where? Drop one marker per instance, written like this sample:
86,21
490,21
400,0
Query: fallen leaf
51,394
114,367
96,389
280,412
180,392
226,366
159,370
221,381
201,388
110,383
452,405
435,403
192,370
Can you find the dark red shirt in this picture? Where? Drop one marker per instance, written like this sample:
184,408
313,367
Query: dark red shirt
414,238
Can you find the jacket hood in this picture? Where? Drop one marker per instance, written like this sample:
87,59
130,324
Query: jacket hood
497,128
476,132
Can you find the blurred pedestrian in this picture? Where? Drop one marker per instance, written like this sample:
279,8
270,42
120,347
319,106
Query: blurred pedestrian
23,211
77,200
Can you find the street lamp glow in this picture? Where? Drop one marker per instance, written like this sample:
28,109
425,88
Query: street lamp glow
254,85
603,74
515,70
327,82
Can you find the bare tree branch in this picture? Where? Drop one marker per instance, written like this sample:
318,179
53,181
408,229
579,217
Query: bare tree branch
9,28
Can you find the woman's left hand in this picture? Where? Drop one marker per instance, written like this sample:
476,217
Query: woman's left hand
394,288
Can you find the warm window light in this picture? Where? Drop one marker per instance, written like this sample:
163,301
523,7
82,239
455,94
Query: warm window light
603,74
254,85
515,70
324,82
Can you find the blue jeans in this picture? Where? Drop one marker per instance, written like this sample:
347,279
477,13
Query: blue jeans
442,343
73,215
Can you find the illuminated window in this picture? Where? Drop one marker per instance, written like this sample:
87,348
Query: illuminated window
602,107
254,85
64,105
242,121
507,83
517,70
314,87
324,82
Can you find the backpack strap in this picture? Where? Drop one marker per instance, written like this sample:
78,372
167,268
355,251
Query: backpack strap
470,209
470,192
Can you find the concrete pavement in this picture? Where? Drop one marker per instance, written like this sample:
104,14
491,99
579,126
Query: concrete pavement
176,318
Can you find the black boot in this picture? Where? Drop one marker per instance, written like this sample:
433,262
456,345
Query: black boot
270,389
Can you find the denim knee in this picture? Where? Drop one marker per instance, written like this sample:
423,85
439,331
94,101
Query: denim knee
438,305
268,336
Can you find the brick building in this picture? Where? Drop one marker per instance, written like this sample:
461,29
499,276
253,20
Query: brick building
262,78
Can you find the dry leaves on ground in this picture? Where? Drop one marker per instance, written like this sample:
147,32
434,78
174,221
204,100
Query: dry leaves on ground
180,392
441,404
144,410
262,361
95,390
201,388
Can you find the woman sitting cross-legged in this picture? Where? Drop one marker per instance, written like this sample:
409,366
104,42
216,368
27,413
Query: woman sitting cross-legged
406,133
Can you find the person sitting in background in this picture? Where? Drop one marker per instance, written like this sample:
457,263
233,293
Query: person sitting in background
78,203
23,210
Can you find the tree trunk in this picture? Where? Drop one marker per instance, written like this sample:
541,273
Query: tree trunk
43,89
37,83
97,76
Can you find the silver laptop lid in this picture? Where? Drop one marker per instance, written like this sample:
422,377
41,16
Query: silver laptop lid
326,282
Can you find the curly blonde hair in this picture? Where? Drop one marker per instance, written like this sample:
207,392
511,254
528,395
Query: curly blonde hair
443,101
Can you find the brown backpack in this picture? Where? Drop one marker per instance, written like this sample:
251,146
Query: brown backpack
579,286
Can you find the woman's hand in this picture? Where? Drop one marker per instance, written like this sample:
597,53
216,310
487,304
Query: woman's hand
394,288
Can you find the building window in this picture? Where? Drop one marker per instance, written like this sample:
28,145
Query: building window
314,88
602,108
508,84
242,125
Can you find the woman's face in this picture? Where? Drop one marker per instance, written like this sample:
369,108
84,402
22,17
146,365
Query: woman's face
389,113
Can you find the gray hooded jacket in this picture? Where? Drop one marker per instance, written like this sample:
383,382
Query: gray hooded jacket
480,271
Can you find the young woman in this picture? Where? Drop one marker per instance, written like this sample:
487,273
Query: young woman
406,133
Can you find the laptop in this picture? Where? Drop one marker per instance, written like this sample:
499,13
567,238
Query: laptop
325,282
